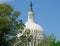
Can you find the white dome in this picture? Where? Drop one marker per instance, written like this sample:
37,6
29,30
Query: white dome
33,26
35,29
30,24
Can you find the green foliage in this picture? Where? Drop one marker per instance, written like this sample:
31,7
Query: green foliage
49,41
4,22
8,24
5,9
29,37
57,43
24,39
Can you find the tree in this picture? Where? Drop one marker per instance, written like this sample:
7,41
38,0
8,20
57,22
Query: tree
8,24
24,39
57,43
48,41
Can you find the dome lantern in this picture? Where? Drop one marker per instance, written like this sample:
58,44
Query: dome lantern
31,13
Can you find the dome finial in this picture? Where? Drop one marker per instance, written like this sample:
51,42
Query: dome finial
31,6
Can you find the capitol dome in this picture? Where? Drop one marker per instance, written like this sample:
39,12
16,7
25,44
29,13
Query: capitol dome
33,26
35,29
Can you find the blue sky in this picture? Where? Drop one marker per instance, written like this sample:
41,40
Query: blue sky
47,13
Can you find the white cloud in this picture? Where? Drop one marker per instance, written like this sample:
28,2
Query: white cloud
4,1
